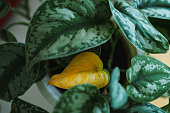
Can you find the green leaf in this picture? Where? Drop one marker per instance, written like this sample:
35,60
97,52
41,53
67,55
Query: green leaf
137,29
167,107
7,36
154,8
4,7
84,98
61,28
148,77
118,93
20,106
162,26
14,80
135,107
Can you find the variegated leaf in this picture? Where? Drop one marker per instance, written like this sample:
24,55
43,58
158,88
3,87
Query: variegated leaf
61,28
21,106
7,36
14,80
137,29
148,77
167,107
154,8
84,98
135,107
4,7
118,93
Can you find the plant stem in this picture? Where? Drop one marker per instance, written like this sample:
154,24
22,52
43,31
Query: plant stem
122,70
113,43
17,23
21,13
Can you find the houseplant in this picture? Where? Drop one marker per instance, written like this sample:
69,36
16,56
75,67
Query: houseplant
61,28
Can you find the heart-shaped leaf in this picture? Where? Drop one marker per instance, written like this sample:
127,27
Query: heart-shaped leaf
4,7
135,107
154,8
137,29
64,27
167,107
84,68
7,36
58,65
14,80
21,106
84,98
118,93
148,77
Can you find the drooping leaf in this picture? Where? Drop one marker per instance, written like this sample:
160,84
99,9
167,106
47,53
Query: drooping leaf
154,8
148,77
64,27
84,68
167,107
162,26
14,80
135,107
84,98
7,36
118,93
21,106
4,7
56,66
137,29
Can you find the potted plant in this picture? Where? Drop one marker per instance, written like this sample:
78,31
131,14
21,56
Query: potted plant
81,36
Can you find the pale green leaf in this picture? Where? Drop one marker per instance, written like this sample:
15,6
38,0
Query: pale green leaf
14,80
61,28
148,77
21,106
137,29
118,93
154,8
84,98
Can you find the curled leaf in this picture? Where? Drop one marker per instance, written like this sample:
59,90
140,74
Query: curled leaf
84,68
118,93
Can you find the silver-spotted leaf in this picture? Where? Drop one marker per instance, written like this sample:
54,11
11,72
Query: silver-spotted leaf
4,7
154,8
135,107
21,106
148,77
117,91
84,98
7,36
64,27
137,29
14,80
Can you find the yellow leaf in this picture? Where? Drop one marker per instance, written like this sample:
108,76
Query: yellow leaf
84,68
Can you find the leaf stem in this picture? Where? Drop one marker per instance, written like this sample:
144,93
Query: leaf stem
21,13
113,43
17,23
